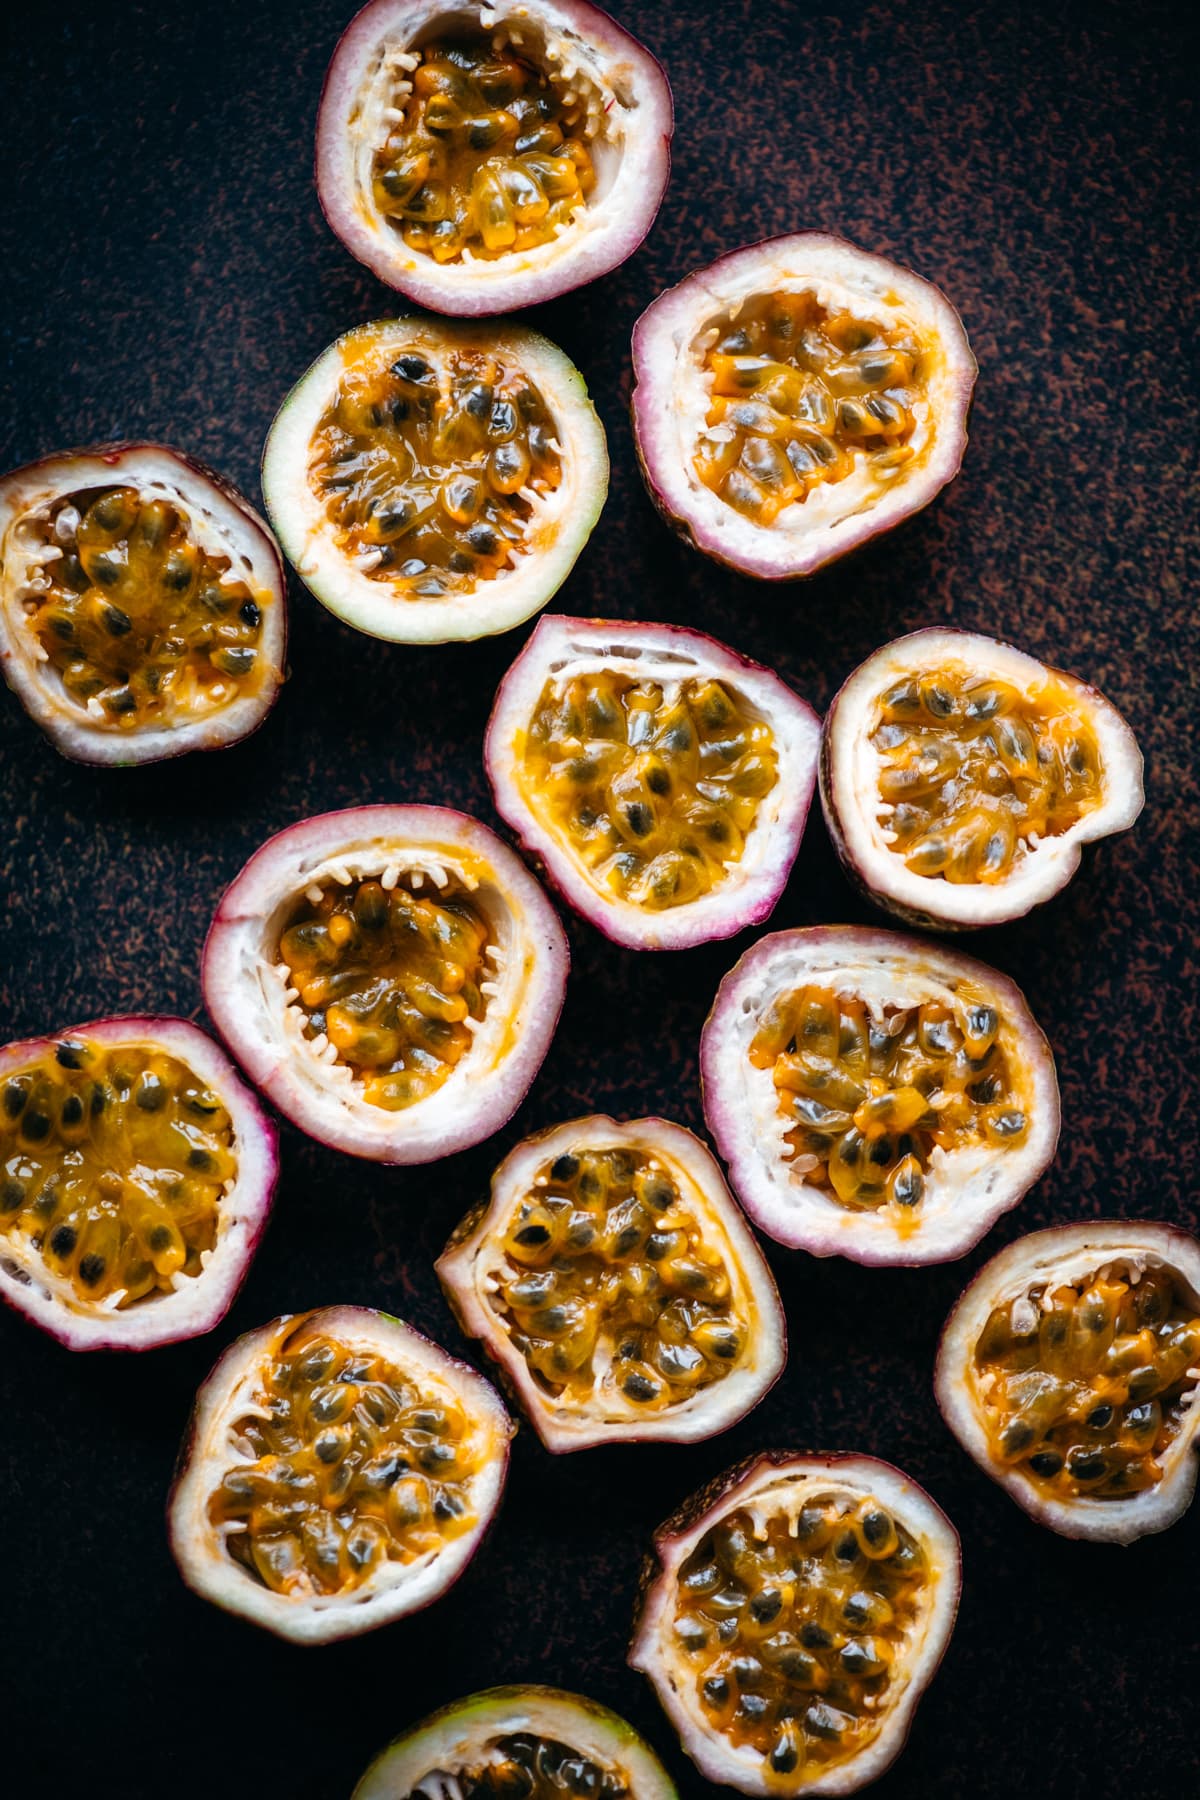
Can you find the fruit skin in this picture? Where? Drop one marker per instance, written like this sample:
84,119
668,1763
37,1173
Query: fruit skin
525,278
66,724
450,1736
670,322
741,1485
716,1408
941,905
804,1218
1065,1248
27,1286
326,1618
742,899
237,949
497,605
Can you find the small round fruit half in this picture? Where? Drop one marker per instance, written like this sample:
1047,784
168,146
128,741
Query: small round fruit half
339,1472
1070,1371
481,162
797,398
432,481
536,1742
662,780
797,1610
615,1282
961,778
143,610
136,1177
876,1096
390,976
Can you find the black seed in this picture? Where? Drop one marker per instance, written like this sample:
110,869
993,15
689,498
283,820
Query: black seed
985,1091
482,540
151,1095
459,563
1046,1463
36,1127
69,1054
876,1527
640,818
14,1099
63,1239
564,1168
784,1756
1100,1416
12,1193
414,566
815,1637
503,422
532,1235
1086,1465
91,1268
846,1548
411,368
72,1110
200,1159
639,1387
1017,1436
716,1690
767,1605
447,1506
99,1099
160,1238
116,622
658,781
248,613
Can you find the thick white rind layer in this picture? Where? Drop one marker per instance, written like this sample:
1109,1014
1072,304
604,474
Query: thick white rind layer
672,397
562,519
220,521
1069,1253
965,1190
632,155
456,1736
245,994
850,767
564,648
770,1485
395,1589
464,1268
199,1302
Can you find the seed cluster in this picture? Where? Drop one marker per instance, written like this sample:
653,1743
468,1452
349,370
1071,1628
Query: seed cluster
391,978
656,786
974,772
609,1286
431,471
359,1463
487,155
791,1630
800,396
1085,1385
869,1096
523,1766
112,1165
142,625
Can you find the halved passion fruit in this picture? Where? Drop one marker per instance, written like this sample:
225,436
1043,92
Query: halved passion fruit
799,1609
1070,1371
661,779
875,1096
484,160
614,1280
796,399
136,1176
961,778
433,481
143,610
518,1743
390,976
340,1471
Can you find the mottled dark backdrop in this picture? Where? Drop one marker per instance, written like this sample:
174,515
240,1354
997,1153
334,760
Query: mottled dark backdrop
166,273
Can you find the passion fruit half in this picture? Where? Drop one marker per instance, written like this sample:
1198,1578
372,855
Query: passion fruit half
390,976
432,481
798,1610
136,1177
613,1279
1070,1371
519,1743
486,160
876,1096
143,610
339,1472
797,398
961,778
662,780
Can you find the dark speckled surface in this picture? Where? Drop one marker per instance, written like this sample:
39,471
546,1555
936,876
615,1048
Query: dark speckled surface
165,272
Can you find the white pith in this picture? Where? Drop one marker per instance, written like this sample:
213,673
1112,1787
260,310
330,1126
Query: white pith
232,1393
563,649
195,1303
248,991
1074,1254
432,1757
966,1189
627,117
559,521
770,1490
850,783
674,395
219,525
564,1421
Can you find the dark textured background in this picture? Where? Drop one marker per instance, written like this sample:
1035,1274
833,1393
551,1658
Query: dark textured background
165,273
